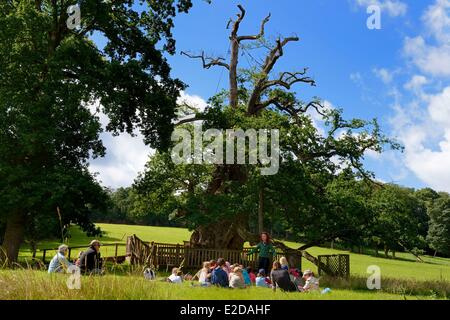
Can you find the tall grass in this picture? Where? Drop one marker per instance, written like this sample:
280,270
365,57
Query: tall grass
404,267
431,288
36,285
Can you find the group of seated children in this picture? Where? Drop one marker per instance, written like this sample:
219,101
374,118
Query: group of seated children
223,274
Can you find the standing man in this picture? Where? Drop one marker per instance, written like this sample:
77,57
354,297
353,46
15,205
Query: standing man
90,260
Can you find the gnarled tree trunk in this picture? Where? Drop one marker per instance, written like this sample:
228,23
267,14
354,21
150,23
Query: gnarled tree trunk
220,235
14,234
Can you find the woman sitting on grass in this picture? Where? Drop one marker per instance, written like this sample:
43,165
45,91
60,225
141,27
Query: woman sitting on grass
237,279
280,279
59,263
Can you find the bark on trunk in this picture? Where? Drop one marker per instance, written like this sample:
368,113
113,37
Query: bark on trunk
261,211
233,72
14,233
220,235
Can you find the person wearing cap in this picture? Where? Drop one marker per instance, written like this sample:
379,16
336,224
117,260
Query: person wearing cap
59,263
90,260
311,282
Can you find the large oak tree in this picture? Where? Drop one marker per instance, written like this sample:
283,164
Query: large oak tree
225,204
49,75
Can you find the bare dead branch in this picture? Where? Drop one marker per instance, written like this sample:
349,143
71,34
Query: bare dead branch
207,62
287,79
197,117
261,31
236,24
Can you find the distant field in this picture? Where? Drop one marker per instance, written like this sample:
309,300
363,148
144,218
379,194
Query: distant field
404,267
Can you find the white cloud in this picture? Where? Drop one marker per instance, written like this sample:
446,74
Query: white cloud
431,59
426,137
394,8
416,83
437,19
423,125
431,52
385,75
439,108
126,155
356,77
192,100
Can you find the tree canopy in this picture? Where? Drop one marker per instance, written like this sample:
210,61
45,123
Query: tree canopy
51,76
228,197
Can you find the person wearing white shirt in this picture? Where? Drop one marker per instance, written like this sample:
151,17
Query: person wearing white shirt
59,263
175,277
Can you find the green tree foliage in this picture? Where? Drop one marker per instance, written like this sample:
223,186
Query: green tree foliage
221,201
302,198
401,219
439,231
127,206
49,75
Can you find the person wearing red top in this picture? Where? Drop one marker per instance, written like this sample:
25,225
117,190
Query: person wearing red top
251,274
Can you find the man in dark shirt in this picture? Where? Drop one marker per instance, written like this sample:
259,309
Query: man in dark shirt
281,279
219,276
90,260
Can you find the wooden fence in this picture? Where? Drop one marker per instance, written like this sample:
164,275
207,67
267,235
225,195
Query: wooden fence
165,255
338,265
52,251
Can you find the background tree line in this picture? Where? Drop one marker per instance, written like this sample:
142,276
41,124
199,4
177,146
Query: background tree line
388,218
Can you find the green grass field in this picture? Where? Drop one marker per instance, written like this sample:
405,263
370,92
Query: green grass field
402,278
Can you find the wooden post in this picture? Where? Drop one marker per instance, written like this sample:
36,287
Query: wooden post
115,253
43,256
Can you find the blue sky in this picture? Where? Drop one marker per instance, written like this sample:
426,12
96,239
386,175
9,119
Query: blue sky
399,74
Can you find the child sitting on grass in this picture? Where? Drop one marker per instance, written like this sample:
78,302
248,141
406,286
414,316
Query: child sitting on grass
251,274
176,276
284,263
205,276
297,278
261,279
237,279
245,276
